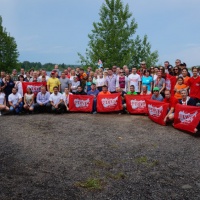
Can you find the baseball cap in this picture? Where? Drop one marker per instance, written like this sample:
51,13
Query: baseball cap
53,72
143,63
155,89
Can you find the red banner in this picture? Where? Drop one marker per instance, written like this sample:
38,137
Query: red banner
109,103
136,104
157,111
80,103
35,86
170,83
186,117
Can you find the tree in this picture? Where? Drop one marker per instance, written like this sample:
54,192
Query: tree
8,50
112,39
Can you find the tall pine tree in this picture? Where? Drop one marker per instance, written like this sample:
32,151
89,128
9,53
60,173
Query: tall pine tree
8,50
112,39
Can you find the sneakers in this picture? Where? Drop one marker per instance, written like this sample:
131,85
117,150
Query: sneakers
0,113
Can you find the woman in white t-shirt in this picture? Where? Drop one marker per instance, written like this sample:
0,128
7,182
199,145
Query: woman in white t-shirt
29,100
18,85
100,81
3,106
66,98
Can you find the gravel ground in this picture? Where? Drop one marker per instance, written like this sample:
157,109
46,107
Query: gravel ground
102,156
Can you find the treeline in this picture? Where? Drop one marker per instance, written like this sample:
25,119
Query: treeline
47,66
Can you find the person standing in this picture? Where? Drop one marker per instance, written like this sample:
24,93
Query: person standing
160,83
185,76
111,81
65,82
194,85
75,84
35,77
2,77
53,82
100,81
19,86
122,81
134,79
147,80
7,86
14,75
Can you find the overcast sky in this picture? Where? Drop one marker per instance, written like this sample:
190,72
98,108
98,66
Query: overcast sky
55,30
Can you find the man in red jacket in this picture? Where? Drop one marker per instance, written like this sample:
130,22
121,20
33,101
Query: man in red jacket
194,84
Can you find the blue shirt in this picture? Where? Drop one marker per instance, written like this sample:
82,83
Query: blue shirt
159,98
94,93
43,98
147,81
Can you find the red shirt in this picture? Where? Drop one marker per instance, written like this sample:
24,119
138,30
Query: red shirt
194,84
172,102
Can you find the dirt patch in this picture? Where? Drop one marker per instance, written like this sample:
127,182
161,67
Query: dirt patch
103,156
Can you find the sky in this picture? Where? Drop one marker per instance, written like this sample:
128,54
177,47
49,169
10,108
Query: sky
55,30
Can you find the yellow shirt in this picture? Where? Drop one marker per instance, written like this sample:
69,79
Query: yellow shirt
52,82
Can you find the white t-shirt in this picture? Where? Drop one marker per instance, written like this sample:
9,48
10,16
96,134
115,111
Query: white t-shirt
2,97
40,77
134,80
19,87
56,98
100,82
66,98
154,77
14,98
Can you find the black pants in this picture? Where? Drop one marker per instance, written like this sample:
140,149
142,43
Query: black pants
41,109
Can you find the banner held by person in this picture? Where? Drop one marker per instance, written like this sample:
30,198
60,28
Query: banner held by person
35,86
186,117
80,103
109,103
136,104
157,111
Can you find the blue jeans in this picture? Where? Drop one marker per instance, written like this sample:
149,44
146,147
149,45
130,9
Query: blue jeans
18,109
94,109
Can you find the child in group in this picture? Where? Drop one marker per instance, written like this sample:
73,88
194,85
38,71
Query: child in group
178,87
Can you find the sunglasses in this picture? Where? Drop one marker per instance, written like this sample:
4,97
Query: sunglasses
175,69
156,90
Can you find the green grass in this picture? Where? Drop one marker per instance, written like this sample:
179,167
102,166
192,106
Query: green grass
102,164
91,183
117,176
144,160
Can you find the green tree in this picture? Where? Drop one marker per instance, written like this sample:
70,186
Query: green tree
112,39
8,50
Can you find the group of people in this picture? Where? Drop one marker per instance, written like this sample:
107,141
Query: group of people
54,94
